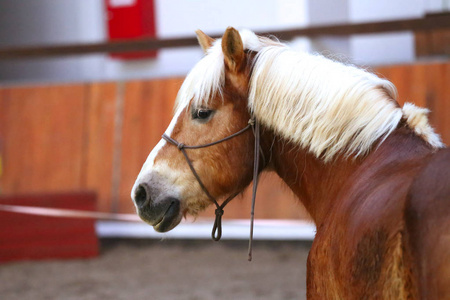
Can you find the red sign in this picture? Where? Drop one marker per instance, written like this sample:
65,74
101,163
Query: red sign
131,19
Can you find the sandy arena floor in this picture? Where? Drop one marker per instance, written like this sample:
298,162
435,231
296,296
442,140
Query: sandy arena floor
148,269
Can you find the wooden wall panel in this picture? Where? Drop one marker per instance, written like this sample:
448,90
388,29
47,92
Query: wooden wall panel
3,129
99,141
426,85
439,95
410,82
42,147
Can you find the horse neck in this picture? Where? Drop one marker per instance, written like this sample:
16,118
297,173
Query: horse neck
317,184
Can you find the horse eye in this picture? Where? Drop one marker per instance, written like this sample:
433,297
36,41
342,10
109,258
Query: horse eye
202,114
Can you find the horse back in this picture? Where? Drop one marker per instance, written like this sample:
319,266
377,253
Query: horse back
427,221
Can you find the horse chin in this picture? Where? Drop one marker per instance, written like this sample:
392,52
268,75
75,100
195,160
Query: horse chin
167,224
162,217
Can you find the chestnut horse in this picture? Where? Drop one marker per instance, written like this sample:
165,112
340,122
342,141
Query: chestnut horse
373,176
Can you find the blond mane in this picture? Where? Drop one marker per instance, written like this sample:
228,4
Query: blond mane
322,105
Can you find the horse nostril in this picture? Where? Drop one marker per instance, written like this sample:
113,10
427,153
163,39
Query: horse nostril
141,197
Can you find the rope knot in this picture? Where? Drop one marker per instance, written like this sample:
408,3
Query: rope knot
219,212
180,146
217,228
251,122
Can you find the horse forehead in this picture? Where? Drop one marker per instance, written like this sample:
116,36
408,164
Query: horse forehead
158,151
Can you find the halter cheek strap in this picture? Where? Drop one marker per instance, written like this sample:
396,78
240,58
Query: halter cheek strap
217,228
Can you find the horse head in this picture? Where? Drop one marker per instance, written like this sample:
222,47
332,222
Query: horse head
211,106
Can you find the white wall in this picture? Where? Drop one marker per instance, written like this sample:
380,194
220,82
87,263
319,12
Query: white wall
373,49
46,22
214,16
385,48
437,6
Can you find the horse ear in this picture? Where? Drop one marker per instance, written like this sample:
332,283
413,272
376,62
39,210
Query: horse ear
204,40
233,49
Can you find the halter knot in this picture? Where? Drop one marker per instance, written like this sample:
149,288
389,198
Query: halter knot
217,228
219,212
180,146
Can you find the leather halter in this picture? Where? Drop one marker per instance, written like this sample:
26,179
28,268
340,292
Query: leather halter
217,228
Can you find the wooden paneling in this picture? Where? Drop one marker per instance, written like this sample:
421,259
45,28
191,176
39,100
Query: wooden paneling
43,138
3,129
99,141
426,85
57,138
410,82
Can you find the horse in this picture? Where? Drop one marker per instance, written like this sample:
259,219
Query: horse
373,175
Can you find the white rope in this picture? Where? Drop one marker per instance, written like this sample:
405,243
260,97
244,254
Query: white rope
68,213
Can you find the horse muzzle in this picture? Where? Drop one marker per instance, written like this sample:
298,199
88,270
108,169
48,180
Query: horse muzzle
163,213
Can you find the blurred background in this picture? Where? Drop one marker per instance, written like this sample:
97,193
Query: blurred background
86,90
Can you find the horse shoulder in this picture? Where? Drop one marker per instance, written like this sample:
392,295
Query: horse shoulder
427,220
358,250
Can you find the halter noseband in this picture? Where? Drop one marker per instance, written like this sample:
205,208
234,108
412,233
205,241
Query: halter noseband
217,228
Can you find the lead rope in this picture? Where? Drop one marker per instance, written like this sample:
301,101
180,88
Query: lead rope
255,185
